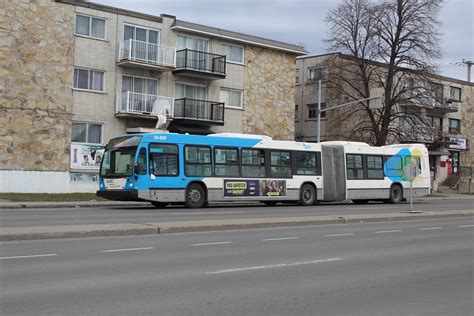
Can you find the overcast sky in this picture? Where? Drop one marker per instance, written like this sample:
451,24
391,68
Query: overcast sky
302,22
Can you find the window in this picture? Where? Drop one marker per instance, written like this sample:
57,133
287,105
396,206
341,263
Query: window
86,133
233,53
313,111
280,164
141,162
297,115
197,161
455,94
454,125
90,26
436,92
193,43
164,159
253,163
354,167
317,73
306,163
375,167
88,79
232,98
140,85
140,34
226,161
297,79
190,92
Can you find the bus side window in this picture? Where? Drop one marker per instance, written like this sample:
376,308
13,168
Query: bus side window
280,163
164,159
141,162
253,163
306,163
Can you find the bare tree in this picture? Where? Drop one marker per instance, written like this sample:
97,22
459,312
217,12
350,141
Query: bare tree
392,44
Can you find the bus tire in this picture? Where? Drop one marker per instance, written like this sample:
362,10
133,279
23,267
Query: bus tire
159,204
195,196
396,194
307,195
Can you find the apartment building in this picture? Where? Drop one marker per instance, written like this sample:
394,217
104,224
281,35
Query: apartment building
448,113
74,74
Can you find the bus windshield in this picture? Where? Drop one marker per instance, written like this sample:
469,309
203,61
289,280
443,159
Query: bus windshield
119,156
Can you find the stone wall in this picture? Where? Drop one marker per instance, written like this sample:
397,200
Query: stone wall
269,93
36,67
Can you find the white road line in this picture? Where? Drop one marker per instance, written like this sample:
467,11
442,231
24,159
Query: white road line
126,249
31,256
206,213
282,238
462,226
388,231
336,235
279,265
431,228
213,243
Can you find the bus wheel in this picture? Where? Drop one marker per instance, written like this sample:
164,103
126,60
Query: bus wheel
360,201
307,195
396,194
159,204
195,196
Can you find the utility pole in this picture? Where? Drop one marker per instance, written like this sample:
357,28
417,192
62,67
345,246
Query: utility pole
469,64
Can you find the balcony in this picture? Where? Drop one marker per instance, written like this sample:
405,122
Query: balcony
204,65
131,104
138,54
198,112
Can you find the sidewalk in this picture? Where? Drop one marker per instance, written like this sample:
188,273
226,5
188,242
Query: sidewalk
153,228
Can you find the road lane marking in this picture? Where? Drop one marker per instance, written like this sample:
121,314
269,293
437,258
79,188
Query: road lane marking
282,238
388,231
126,249
212,243
279,265
30,256
336,235
462,226
431,228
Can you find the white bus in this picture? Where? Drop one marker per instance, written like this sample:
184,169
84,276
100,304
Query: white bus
194,170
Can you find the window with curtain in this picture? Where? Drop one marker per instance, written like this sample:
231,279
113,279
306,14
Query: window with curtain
88,79
90,26
83,132
233,53
231,97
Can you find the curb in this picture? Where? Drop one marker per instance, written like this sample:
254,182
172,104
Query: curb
126,229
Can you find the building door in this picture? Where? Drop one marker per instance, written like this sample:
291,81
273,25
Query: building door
455,161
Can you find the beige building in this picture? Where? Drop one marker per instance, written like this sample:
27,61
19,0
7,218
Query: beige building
74,74
448,114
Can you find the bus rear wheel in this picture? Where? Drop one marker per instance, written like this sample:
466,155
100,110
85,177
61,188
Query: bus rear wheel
159,204
195,196
396,194
307,195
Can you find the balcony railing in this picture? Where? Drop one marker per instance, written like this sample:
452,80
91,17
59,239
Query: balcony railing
144,104
147,53
199,110
200,63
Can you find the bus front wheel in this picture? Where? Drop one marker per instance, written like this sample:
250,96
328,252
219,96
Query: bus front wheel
195,196
396,194
307,195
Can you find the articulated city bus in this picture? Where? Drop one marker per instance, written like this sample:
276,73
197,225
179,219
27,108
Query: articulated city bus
175,168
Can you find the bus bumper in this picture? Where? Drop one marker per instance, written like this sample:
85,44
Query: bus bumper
119,195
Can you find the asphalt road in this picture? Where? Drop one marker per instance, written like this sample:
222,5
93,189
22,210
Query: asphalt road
110,215
397,268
